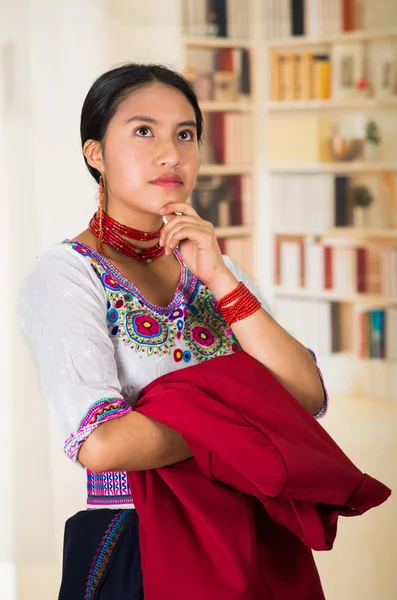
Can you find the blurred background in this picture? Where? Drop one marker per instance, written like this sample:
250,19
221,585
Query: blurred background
299,175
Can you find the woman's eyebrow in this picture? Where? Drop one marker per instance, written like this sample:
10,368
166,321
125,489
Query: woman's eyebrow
151,120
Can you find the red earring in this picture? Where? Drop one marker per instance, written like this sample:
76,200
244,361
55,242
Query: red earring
100,215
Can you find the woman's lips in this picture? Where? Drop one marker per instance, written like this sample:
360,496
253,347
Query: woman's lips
168,184
170,180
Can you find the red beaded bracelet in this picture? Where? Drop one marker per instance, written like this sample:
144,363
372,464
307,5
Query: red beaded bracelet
238,304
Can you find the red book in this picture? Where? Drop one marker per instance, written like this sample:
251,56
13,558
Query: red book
348,15
236,208
218,136
302,263
225,60
328,260
361,270
277,274
362,329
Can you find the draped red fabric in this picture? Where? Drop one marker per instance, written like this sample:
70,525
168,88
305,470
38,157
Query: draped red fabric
265,487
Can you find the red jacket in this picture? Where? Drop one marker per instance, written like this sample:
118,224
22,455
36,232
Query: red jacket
286,484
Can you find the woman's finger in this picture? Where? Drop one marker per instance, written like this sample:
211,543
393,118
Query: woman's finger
202,236
178,207
192,220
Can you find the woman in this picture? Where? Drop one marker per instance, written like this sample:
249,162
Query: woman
130,299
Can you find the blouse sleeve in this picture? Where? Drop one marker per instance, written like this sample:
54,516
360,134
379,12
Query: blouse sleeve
242,276
63,314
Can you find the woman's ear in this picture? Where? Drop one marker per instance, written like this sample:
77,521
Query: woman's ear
93,152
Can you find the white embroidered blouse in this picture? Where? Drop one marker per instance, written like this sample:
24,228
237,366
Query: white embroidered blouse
98,342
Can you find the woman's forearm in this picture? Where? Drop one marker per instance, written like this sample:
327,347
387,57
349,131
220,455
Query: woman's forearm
288,360
133,442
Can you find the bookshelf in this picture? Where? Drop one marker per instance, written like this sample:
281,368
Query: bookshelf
216,42
351,233
221,68
211,106
288,198
334,282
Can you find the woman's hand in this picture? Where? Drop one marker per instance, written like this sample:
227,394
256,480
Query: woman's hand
197,243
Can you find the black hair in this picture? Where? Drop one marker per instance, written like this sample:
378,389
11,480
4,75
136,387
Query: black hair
111,89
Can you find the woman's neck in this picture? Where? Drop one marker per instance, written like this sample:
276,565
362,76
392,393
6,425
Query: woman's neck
144,222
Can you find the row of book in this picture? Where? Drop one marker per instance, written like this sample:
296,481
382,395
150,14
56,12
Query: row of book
311,203
311,322
227,139
314,18
321,326
216,18
342,269
221,75
224,201
300,76
376,333
303,202
348,71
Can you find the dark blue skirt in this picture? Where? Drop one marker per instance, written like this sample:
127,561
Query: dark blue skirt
101,557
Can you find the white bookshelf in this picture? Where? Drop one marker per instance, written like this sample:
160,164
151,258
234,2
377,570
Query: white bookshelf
225,169
234,231
369,300
214,42
323,105
336,167
342,38
211,106
348,233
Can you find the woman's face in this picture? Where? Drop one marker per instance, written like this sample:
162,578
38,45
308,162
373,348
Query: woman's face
150,154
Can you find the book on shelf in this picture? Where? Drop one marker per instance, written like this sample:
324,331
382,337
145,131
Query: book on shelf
228,139
340,268
311,322
221,75
300,76
221,200
216,18
302,202
314,18
299,139
375,333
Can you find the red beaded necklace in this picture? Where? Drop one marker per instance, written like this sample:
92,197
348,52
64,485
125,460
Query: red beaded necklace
110,231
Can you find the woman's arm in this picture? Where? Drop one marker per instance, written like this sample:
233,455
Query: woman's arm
288,360
63,313
133,442
259,335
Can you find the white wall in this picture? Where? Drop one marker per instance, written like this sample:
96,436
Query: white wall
51,52
46,196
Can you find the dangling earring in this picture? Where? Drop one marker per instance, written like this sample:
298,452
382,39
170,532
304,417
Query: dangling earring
100,216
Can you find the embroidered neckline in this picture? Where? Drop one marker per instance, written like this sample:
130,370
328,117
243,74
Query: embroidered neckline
187,281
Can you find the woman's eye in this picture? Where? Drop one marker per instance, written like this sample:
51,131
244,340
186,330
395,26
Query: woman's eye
144,132
186,135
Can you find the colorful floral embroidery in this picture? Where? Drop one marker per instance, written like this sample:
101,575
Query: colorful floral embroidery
144,331
178,355
187,356
176,314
